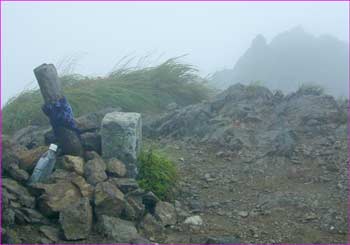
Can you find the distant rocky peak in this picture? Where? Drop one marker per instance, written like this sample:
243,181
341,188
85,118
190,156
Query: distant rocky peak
259,42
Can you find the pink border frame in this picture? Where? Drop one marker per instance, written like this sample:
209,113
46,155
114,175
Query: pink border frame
348,134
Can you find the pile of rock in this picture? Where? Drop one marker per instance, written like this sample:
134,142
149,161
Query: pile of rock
85,197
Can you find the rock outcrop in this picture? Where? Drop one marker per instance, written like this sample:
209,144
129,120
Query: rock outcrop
252,122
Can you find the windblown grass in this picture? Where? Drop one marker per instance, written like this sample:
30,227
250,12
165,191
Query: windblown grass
146,90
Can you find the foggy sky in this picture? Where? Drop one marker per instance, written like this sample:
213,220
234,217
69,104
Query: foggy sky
98,34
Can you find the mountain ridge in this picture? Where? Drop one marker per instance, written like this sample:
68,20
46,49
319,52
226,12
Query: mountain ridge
290,59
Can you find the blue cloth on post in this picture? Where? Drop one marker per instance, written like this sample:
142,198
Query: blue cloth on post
60,114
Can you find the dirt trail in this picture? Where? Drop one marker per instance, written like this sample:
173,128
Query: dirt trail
271,200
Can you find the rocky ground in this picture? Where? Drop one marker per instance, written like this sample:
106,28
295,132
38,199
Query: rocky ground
261,166
254,167
272,200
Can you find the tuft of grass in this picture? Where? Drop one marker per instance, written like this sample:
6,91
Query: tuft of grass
157,174
144,90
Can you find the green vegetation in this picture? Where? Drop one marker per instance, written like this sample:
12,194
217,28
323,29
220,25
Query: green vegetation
157,174
146,90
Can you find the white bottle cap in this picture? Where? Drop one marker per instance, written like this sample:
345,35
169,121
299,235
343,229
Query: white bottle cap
53,147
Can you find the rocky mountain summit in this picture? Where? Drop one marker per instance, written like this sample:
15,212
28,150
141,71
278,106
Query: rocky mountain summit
255,166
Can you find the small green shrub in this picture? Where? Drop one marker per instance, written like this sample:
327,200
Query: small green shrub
157,174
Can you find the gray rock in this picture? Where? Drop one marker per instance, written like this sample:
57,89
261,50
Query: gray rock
152,229
76,220
91,141
136,203
94,171
90,155
121,138
16,173
181,213
165,213
150,201
281,142
8,216
108,199
129,213
31,216
121,231
50,232
116,168
19,192
92,121
243,214
31,136
195,220
125,184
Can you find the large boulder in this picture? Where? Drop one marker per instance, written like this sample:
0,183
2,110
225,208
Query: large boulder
121,231
108,199
76,220
121,138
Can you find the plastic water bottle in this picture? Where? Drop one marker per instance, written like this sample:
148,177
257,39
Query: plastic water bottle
45,165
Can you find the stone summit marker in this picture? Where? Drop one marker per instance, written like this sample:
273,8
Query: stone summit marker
121,134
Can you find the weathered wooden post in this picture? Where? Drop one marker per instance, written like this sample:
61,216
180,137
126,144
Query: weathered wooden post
50,87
